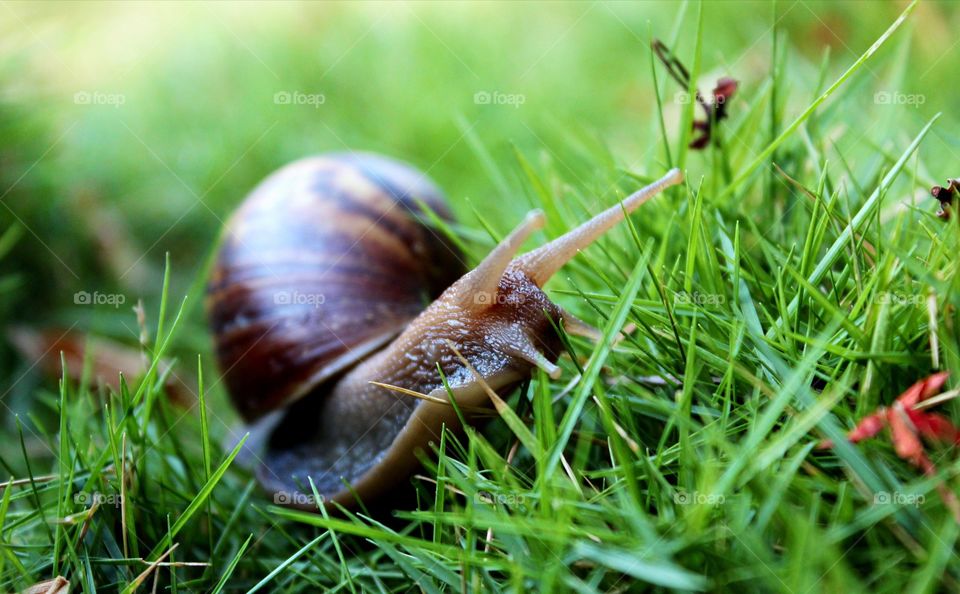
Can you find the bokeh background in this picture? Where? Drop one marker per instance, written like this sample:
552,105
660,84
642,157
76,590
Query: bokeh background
128,131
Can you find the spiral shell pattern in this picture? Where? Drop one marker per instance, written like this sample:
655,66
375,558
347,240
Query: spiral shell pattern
324,262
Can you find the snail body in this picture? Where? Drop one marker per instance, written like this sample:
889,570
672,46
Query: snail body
327,386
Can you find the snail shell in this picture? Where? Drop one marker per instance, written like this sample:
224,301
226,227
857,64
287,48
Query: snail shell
325,261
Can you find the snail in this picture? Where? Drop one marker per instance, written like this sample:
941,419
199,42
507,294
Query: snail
331,285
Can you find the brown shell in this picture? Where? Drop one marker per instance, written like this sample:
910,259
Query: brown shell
325,261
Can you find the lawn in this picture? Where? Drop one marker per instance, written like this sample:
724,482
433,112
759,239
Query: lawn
797,281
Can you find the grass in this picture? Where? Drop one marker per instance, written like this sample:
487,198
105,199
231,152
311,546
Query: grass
795,283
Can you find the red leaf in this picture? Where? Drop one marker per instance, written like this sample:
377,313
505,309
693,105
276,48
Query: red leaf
934,384
866,428
905,439
934,427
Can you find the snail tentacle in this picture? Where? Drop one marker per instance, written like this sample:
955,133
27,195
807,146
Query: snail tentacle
543,262
479,288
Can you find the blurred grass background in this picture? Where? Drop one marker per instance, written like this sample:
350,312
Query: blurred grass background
197,126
